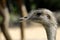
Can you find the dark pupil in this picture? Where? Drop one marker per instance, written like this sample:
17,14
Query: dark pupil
38,14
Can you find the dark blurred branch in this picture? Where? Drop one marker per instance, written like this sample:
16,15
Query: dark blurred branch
24,13
5,22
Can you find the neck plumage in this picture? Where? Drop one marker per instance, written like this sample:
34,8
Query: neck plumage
51,31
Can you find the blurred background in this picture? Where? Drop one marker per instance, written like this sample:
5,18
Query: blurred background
53,5
33,31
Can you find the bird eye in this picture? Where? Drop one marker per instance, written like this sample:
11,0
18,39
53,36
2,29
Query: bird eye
38,14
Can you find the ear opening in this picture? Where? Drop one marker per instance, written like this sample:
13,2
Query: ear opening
48,16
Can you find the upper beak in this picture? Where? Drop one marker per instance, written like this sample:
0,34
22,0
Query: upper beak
22,19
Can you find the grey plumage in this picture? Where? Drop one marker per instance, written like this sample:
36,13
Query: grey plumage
47,19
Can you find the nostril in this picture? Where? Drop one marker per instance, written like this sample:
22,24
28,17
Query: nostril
38,14
25,17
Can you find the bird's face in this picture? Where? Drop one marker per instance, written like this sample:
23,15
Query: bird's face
39,17
42,16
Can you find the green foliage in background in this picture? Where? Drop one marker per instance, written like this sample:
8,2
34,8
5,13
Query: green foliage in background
50,4
35,4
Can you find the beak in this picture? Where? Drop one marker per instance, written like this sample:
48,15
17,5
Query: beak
22,19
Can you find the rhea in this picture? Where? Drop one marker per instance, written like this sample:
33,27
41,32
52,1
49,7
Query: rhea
47,19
